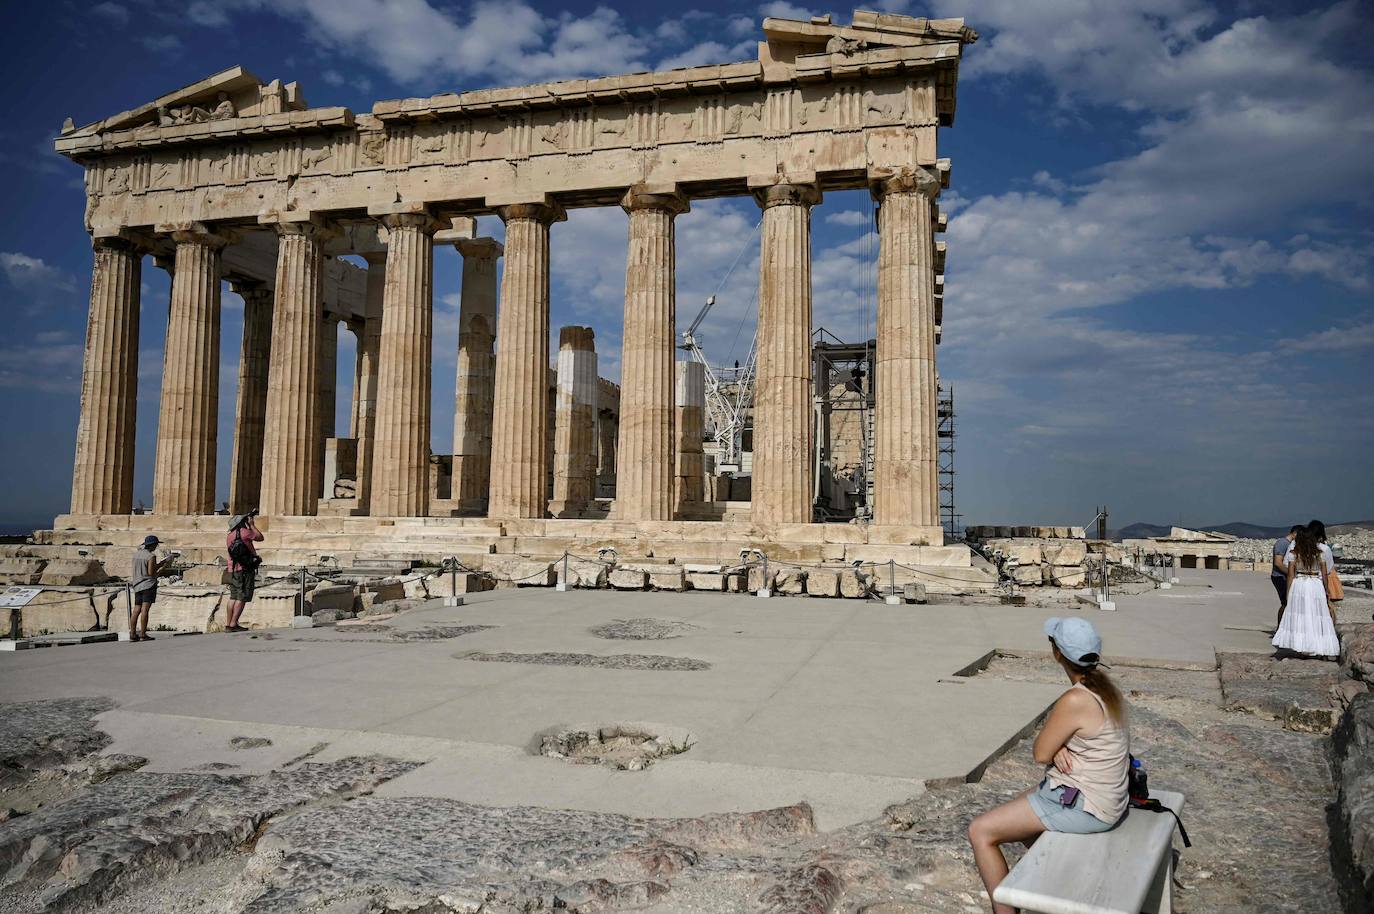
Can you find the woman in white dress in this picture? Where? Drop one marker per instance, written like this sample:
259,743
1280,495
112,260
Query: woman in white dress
1309,622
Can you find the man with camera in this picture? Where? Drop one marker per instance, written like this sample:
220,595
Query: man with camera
243,566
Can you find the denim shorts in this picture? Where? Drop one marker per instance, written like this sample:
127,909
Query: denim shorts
1057,817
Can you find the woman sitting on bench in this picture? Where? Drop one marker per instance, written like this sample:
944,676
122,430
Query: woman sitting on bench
1084,746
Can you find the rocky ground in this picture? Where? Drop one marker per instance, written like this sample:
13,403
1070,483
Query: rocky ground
84,831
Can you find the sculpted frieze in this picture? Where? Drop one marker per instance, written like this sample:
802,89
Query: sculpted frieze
371,147
317,155
430,144
164,173
264,160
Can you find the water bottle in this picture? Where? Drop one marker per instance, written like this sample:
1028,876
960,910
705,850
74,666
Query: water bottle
1137,782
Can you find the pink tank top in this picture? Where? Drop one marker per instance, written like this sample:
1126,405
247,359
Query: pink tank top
1100,763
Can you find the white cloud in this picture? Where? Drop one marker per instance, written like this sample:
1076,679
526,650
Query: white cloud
780,9
161,44
849,218
33,274
115,12
1355,338
42,364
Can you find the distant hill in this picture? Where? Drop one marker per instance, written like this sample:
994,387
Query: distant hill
1351,526
1235,528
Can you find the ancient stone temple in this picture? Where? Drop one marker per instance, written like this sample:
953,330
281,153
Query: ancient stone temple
233,179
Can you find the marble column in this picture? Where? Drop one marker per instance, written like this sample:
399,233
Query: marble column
476,379
691,426
400,461
519,417
607,434
355,393
783,415
290,472
369,349
328,389
250,412
646,455
103,473
184,471
905,451
574,449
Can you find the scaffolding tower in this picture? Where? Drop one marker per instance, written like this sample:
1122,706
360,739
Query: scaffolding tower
944,411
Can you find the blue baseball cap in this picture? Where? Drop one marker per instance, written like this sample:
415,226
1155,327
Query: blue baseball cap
150,540
1076,639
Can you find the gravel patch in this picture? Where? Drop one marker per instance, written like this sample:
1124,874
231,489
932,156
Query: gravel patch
593,661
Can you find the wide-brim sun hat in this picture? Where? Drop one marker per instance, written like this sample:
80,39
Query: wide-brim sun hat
236,520
1076,639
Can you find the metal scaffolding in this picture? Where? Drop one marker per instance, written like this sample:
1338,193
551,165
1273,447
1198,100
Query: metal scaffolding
944,410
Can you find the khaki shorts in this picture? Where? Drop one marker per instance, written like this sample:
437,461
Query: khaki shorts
241,584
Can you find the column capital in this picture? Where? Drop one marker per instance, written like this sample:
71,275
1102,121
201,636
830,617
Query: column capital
310,225
783,190
122,240
197,233
577,337
655,197
423,222
245,286
545,213
915,180
480,248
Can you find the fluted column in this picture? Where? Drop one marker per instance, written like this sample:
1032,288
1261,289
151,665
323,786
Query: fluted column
574,449
519,419
103,473
184,471
646,456
691,425
607,435
328,389
250,412
400,468
290,473
906,480
369,350
783,421
474,390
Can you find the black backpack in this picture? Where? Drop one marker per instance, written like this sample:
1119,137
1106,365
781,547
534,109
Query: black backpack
242,554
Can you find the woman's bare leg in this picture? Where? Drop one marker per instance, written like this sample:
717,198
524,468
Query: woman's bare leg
1014,821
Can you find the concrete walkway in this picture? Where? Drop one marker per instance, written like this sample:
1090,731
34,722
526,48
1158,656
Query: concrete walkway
849,705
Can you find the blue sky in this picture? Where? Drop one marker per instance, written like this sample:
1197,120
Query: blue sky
1160,285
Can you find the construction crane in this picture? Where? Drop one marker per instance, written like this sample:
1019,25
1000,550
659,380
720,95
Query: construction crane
729,394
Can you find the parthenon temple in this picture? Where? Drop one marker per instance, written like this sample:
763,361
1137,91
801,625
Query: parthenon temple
235,180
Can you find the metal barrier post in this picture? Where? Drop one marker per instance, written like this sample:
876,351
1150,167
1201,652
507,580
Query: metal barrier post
892,599
562,584
129,609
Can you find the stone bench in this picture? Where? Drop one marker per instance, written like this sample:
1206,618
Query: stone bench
1124,871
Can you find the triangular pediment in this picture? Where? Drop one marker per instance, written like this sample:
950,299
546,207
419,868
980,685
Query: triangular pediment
791,38
229,93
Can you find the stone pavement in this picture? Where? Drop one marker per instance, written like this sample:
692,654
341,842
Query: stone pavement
849,706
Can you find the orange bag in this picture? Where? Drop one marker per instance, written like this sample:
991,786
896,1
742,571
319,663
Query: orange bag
1334,591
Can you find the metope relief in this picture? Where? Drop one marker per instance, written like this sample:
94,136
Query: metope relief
430,144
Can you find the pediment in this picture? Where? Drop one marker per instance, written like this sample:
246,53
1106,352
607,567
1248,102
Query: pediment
788,39
227,94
